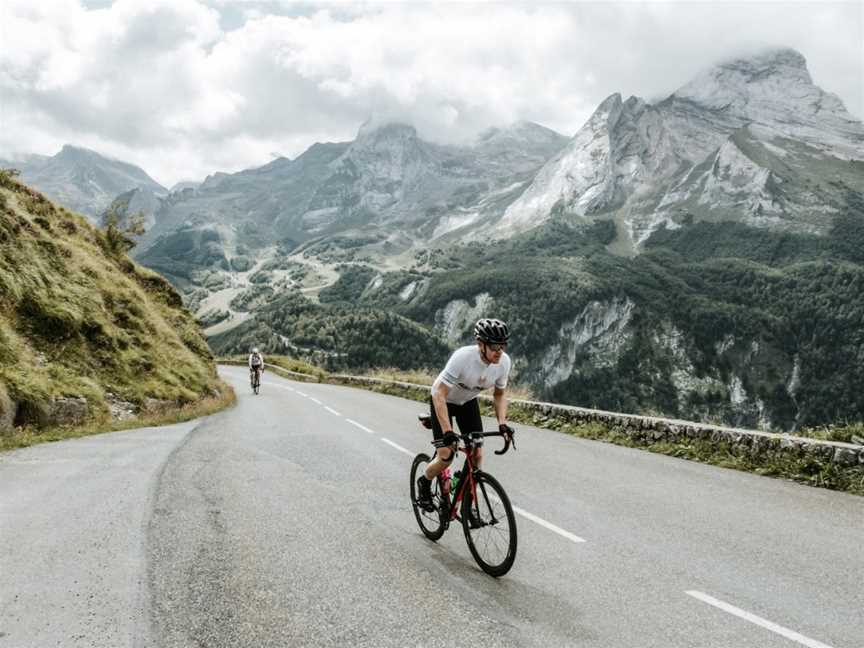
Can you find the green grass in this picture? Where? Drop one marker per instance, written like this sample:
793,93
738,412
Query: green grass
843,433
805,468
30,435
78,318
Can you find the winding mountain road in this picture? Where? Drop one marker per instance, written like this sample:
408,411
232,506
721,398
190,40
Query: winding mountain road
285,521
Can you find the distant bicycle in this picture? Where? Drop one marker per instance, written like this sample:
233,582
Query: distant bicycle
255,379
476,499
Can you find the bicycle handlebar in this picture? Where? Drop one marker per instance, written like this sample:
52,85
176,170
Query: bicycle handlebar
469,440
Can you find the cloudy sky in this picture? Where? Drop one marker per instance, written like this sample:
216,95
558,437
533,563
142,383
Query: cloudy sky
184,88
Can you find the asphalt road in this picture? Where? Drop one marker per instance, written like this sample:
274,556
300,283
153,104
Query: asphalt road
286,522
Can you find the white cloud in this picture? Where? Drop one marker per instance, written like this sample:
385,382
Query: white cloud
168,86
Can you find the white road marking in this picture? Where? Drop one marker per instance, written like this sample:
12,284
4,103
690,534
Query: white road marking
362,427
516,509
270,384
398,447
548,525
752,618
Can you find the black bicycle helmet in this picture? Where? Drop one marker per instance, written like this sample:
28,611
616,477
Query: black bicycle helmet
491,331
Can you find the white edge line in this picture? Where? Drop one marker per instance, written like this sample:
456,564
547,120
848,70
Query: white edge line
752,618
302,393
547,525
316,401
398,447
362,427
332,411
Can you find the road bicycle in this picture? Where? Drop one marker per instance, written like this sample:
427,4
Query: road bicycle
477,501
255,378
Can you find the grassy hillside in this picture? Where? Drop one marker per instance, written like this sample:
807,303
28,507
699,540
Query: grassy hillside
82,328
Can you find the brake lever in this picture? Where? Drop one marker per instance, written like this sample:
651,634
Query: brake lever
507,443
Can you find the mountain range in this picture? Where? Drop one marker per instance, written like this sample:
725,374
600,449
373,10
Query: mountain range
697,256
753,140
81,179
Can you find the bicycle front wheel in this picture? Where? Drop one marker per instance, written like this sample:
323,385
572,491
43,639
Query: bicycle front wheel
431,522
490,526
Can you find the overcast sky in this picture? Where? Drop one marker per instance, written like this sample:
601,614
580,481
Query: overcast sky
184,88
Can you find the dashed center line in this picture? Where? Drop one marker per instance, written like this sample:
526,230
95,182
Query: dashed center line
362,427
398,447
547,525
270,384
516,509
752,618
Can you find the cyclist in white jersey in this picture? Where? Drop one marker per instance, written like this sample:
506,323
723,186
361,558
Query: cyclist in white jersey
470,370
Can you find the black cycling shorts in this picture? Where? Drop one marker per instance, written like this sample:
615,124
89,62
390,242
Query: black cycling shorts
467,418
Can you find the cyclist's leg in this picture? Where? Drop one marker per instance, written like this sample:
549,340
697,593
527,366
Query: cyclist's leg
443,456
468,419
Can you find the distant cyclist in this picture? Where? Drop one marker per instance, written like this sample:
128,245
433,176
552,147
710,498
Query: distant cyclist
470,370
256,365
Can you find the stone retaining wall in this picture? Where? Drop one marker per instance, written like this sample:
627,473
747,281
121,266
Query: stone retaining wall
642,430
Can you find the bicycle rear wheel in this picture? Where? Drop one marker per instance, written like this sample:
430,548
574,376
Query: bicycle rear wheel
490,526
431,522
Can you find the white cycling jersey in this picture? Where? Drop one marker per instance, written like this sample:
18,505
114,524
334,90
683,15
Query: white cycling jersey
466,375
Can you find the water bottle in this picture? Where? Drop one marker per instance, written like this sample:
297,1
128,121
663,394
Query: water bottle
445,481
454,482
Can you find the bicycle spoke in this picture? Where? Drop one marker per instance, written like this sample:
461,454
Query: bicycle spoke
493,543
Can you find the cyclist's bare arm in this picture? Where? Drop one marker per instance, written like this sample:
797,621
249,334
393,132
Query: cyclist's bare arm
499,398
439,398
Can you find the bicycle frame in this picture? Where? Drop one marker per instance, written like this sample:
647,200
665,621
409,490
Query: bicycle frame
466,477
478,497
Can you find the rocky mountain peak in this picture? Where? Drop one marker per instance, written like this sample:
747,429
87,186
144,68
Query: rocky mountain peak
388,150
378,131
721,145
738,83
520,131
72,152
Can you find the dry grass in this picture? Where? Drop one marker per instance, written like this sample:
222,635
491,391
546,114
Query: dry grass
78,318
27,436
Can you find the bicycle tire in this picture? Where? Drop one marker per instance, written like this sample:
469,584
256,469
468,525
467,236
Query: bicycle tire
493,544
431,523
